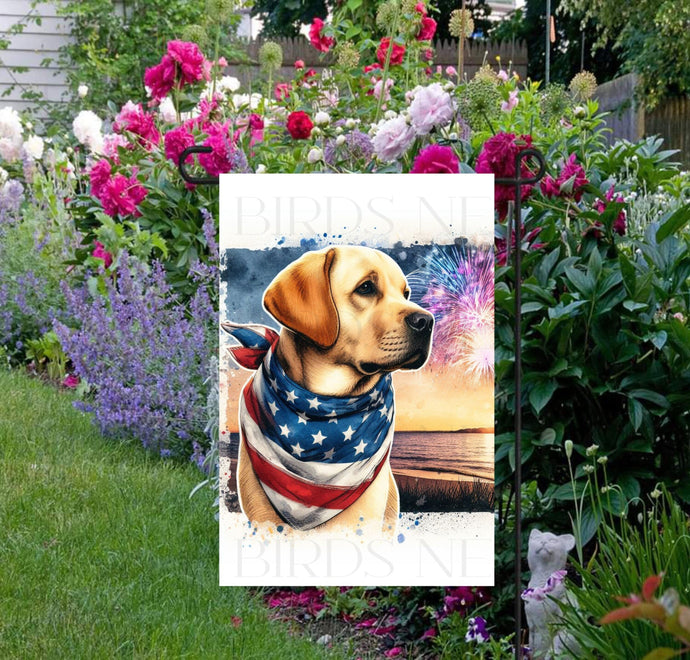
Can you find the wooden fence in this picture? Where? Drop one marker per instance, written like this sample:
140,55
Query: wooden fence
630,121
445,54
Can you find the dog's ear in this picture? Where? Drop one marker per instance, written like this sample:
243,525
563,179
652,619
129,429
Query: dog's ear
300,298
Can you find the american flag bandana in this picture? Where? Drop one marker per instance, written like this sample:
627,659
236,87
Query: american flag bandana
314,455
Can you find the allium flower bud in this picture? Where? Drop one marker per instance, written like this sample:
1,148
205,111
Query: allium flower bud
271,56
568,448
461,24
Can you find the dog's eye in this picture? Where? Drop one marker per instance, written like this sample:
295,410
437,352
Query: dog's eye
367,288
406,293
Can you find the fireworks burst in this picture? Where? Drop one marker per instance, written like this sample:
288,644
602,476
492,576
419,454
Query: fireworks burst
457,286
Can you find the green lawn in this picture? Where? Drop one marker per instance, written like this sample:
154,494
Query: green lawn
103,555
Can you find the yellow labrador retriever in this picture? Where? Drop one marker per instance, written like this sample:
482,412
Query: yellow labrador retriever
316,419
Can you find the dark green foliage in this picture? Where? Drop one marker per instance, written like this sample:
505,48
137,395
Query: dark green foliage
529,24
283,18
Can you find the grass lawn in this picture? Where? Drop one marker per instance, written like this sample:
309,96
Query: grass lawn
103,555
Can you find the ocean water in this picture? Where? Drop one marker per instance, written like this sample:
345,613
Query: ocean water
428,453
450,454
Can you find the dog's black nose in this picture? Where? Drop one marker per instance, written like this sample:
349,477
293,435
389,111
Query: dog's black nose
420,321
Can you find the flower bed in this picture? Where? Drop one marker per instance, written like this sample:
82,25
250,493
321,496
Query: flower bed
108,263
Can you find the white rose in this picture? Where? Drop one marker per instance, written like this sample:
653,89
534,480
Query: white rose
229,83
82,90
315,155
34,147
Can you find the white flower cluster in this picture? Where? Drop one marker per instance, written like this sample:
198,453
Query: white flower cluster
87,129
223,86
11,130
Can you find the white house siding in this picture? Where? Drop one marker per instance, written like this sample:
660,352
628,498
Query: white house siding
29,49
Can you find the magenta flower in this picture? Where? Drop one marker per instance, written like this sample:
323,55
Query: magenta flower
99,252
427,29
183,64
121,195
619,224
570,182
394,652
498,157
134,119
176,141
317,38
99,175
436,159
71,381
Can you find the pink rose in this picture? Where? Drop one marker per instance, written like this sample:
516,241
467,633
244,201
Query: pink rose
317,39
436,159
299,64
282,91
420,8
99,252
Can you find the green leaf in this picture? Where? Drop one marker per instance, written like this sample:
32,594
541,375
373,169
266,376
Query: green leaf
548,436
653,397
583,283
628,273
541,394
594,265
661,653
674,223
588,525
636,412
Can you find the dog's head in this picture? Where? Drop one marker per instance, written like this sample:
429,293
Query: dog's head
352,304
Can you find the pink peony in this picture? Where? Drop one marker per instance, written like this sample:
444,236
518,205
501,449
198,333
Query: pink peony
420,8
436,159
299,125
176,141
99,175
134,119
111,143
121,195
282,91
160,79
393,138
299,64
219,160
498,157
620,223
432,107
191,63
501,250
99,252
397,53
317,38
570,182
427,29
183,63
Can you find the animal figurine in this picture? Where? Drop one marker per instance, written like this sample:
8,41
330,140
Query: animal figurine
546,556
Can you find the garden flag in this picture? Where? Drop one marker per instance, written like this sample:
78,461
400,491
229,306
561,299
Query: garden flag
356,392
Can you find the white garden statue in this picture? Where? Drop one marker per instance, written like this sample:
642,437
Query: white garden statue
546,556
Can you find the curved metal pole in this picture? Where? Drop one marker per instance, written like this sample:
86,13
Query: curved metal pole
518,182
196,180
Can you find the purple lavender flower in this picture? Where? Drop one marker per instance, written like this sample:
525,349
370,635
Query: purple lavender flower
144,352
11,198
